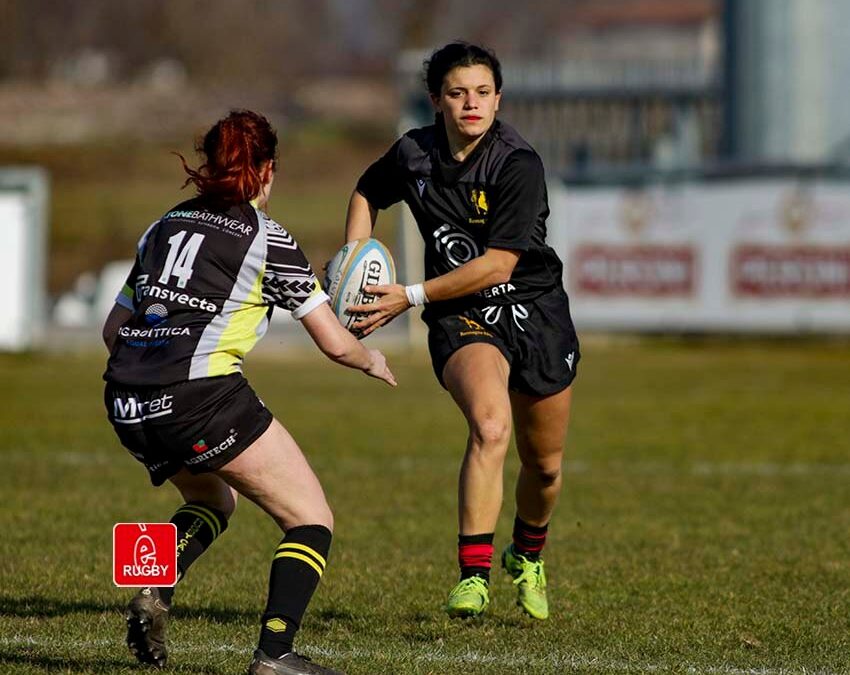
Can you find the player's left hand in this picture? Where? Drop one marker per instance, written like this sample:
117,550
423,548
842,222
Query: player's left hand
391,301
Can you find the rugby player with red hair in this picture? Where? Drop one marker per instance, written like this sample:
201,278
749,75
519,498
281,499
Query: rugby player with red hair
206,278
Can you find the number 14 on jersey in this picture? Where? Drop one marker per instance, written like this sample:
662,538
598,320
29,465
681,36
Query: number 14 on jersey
179,261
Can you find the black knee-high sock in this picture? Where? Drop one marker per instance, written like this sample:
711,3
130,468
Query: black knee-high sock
298,564
198,526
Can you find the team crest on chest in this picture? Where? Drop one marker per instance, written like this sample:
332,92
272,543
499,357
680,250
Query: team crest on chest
479,201
479,204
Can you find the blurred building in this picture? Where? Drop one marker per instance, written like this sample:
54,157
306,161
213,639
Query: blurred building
633,82
787,75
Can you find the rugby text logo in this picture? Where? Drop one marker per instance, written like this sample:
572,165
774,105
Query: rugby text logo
144,554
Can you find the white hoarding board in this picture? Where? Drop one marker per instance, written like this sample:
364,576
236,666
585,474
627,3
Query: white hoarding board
23,197
747,255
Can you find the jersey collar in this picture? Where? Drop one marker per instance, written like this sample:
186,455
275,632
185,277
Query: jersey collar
447,169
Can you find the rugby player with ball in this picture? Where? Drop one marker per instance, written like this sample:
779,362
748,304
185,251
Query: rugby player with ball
499,328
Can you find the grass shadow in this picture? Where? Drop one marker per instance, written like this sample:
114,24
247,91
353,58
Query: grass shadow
98,664
95,664
37,606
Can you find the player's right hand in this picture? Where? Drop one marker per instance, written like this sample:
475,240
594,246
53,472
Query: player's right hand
378,368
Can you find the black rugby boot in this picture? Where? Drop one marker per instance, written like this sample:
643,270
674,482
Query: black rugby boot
288,664
147,616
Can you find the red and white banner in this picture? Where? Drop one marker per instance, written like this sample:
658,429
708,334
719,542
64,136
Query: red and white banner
750,254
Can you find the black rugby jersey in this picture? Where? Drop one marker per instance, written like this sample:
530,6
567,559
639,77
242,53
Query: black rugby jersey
202,290
495,198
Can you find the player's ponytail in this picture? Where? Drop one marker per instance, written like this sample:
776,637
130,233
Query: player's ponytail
234,149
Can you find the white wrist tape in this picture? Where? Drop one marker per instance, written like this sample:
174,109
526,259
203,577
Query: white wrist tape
416,294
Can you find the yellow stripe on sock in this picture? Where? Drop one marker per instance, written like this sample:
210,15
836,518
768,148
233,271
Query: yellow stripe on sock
303,558
206,515
301,547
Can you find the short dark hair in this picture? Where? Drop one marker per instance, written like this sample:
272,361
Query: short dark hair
457,54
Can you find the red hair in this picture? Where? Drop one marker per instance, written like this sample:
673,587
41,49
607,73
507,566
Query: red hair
235,149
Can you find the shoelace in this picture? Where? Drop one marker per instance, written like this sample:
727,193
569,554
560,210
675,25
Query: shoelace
474,582
533,574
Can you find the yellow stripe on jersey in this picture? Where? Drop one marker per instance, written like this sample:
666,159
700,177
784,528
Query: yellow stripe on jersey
240,334
128,293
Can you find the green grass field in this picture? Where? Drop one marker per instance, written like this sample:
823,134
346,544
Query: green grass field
703,527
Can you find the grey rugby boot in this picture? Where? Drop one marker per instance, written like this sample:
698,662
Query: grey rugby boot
147,616
288,664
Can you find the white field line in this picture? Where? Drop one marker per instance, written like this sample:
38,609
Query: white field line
660,467
564,662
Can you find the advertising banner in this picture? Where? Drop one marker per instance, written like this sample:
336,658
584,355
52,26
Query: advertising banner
753,254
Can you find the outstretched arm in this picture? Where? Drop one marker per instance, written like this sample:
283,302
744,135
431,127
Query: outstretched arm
340,346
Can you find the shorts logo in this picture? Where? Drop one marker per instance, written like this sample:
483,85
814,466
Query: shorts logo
205,452
473,327
132,410
144,554
570,359
471,324
519,313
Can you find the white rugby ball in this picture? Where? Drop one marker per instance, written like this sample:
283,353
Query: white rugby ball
362,262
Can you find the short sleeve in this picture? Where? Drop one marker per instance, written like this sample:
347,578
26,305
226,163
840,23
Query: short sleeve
127,295
288,278
382,184
519,194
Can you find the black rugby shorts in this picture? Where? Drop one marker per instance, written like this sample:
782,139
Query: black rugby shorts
536,337
199,424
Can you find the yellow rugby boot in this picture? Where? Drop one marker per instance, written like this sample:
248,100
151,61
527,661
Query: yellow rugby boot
469,598
530,580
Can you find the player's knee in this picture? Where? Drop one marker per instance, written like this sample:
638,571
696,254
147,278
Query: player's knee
227,506
546,473
491,432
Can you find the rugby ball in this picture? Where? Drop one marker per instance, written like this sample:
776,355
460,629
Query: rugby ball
362,262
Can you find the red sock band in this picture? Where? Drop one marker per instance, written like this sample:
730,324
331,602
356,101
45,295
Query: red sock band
475,555
529,539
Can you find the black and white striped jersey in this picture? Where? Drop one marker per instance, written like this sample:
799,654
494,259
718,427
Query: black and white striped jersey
202,290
